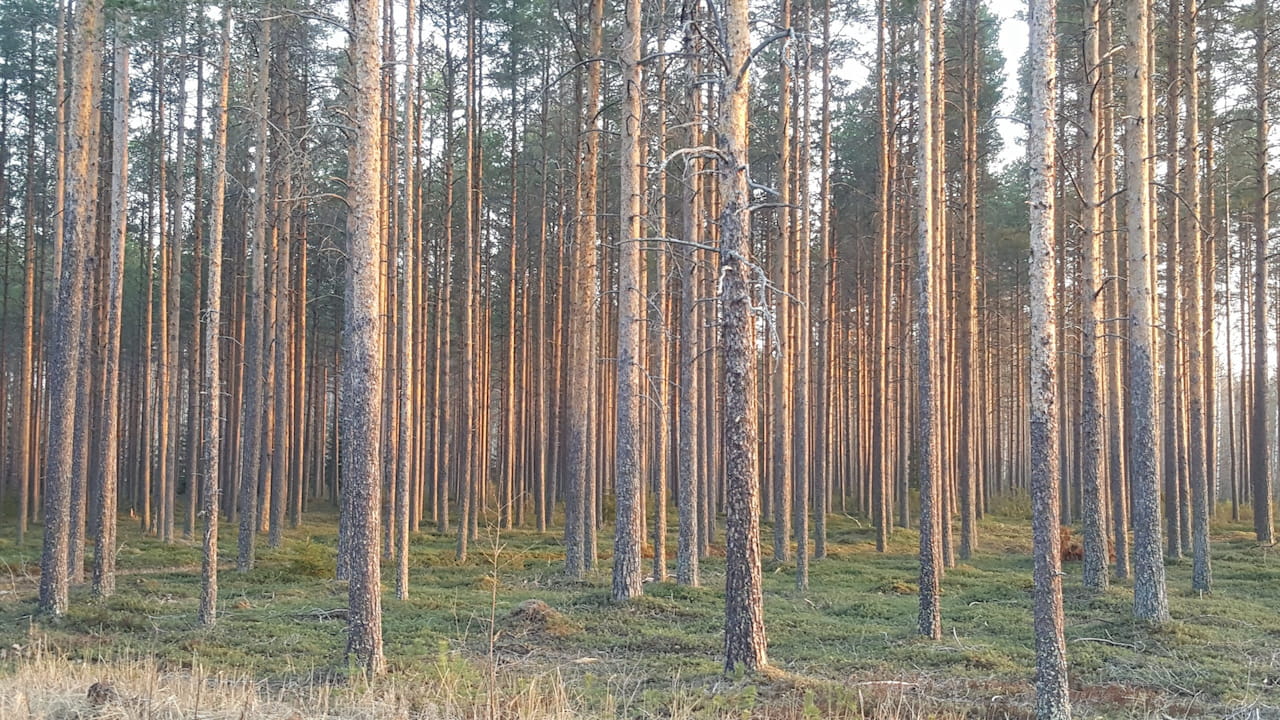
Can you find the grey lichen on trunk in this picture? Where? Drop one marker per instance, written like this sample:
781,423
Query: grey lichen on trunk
745,642
1149,600
1052,700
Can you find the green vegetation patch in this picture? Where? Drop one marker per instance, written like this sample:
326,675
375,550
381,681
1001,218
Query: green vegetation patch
840,649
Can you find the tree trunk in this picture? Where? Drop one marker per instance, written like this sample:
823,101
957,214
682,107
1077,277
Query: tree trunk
1169,414
1149,600
469,411
25,450
744,636
780,417
967,446
930,622
628,535
579,498
212,321
688,546
104,560
362,355
66,315
1052,702
255,332
1258,441
1093,513
822,454
1193,229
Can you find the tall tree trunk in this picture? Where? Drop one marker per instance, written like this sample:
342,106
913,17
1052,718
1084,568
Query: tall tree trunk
1094,494
173,300
1149,600
1258,441
1193,229
580,499
802,322
408,243
967,303
628,535
255,362
822,455
659,329
25,443
212,320
104,560
881,460
1052,702
688,547
780,417
1169,415
195,352
744,636
362,337
469,411
1115,294
930,623
66,315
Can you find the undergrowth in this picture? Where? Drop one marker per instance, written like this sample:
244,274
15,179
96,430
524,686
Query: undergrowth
505,635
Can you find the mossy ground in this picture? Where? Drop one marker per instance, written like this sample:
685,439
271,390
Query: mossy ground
840,647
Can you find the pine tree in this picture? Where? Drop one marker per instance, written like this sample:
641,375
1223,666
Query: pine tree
362,337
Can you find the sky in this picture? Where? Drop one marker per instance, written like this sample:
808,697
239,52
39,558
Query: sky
1013,44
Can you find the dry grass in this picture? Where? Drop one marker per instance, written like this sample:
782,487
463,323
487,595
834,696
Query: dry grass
49,687
46,686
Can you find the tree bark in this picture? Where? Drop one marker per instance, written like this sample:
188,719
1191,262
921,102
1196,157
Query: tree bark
255,363
408,238
362,338
104,560
1149,600
744,634
212,322
930,622
1258,442
1052,701
1094,494
629,521
1193,228
66,312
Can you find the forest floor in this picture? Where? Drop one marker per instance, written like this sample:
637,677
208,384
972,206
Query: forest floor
846,648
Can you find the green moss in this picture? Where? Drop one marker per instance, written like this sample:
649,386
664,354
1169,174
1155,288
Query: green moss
660,654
